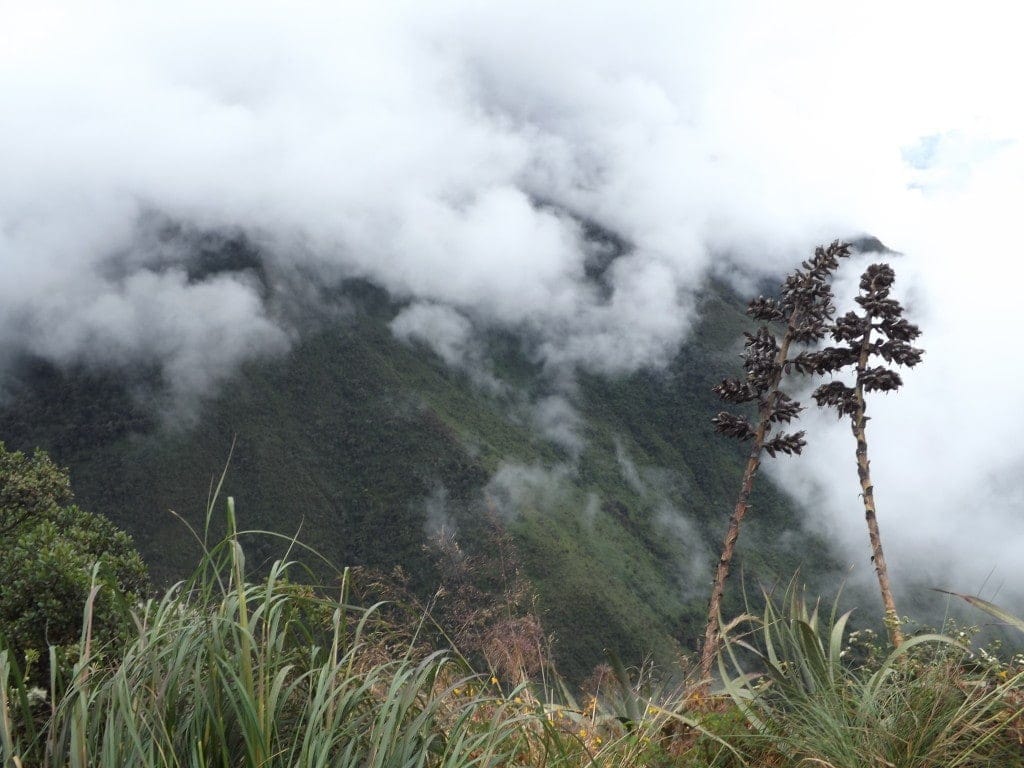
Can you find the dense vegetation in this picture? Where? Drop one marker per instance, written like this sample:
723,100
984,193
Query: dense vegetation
226,671
54,553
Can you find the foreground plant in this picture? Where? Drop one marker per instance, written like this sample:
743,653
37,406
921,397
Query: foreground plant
229,672
878,331
804,307
920,706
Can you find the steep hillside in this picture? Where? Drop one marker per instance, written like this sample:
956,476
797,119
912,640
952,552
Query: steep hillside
363,444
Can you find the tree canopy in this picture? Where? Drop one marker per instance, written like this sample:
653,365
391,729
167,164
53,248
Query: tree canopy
51,549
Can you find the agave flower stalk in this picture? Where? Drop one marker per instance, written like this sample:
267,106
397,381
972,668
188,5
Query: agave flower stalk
878,331
805,307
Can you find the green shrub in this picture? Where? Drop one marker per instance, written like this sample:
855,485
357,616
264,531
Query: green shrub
54,552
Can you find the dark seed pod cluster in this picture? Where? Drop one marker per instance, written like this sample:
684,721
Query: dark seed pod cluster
786,409
805,306
787,444
837,395
880,330
807,292
733,426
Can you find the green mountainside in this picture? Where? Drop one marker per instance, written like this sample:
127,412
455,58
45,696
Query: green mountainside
360,443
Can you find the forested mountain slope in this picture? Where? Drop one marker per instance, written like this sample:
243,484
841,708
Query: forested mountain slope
365,445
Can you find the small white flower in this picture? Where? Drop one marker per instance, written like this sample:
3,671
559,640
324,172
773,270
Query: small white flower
36,695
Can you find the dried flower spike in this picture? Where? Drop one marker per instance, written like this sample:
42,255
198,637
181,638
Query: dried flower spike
805,310
879,330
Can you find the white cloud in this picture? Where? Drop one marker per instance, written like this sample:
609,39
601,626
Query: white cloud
451,336
556,418
436,148
516,488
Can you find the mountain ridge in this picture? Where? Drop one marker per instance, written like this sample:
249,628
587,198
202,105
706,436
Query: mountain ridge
354,439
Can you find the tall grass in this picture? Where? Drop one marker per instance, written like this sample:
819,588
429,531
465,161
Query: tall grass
223,671
920,706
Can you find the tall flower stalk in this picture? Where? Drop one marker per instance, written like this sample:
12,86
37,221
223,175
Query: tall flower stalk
805,308
878,331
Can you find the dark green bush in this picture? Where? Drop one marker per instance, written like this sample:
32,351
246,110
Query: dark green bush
53,550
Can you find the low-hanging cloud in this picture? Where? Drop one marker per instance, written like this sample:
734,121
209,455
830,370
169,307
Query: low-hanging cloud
558,421
445,153
451,335
456,153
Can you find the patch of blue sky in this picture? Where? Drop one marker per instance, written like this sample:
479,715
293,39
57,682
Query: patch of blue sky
948,159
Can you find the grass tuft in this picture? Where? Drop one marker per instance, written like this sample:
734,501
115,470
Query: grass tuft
922,705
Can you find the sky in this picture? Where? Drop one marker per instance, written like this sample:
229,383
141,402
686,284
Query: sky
450,151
